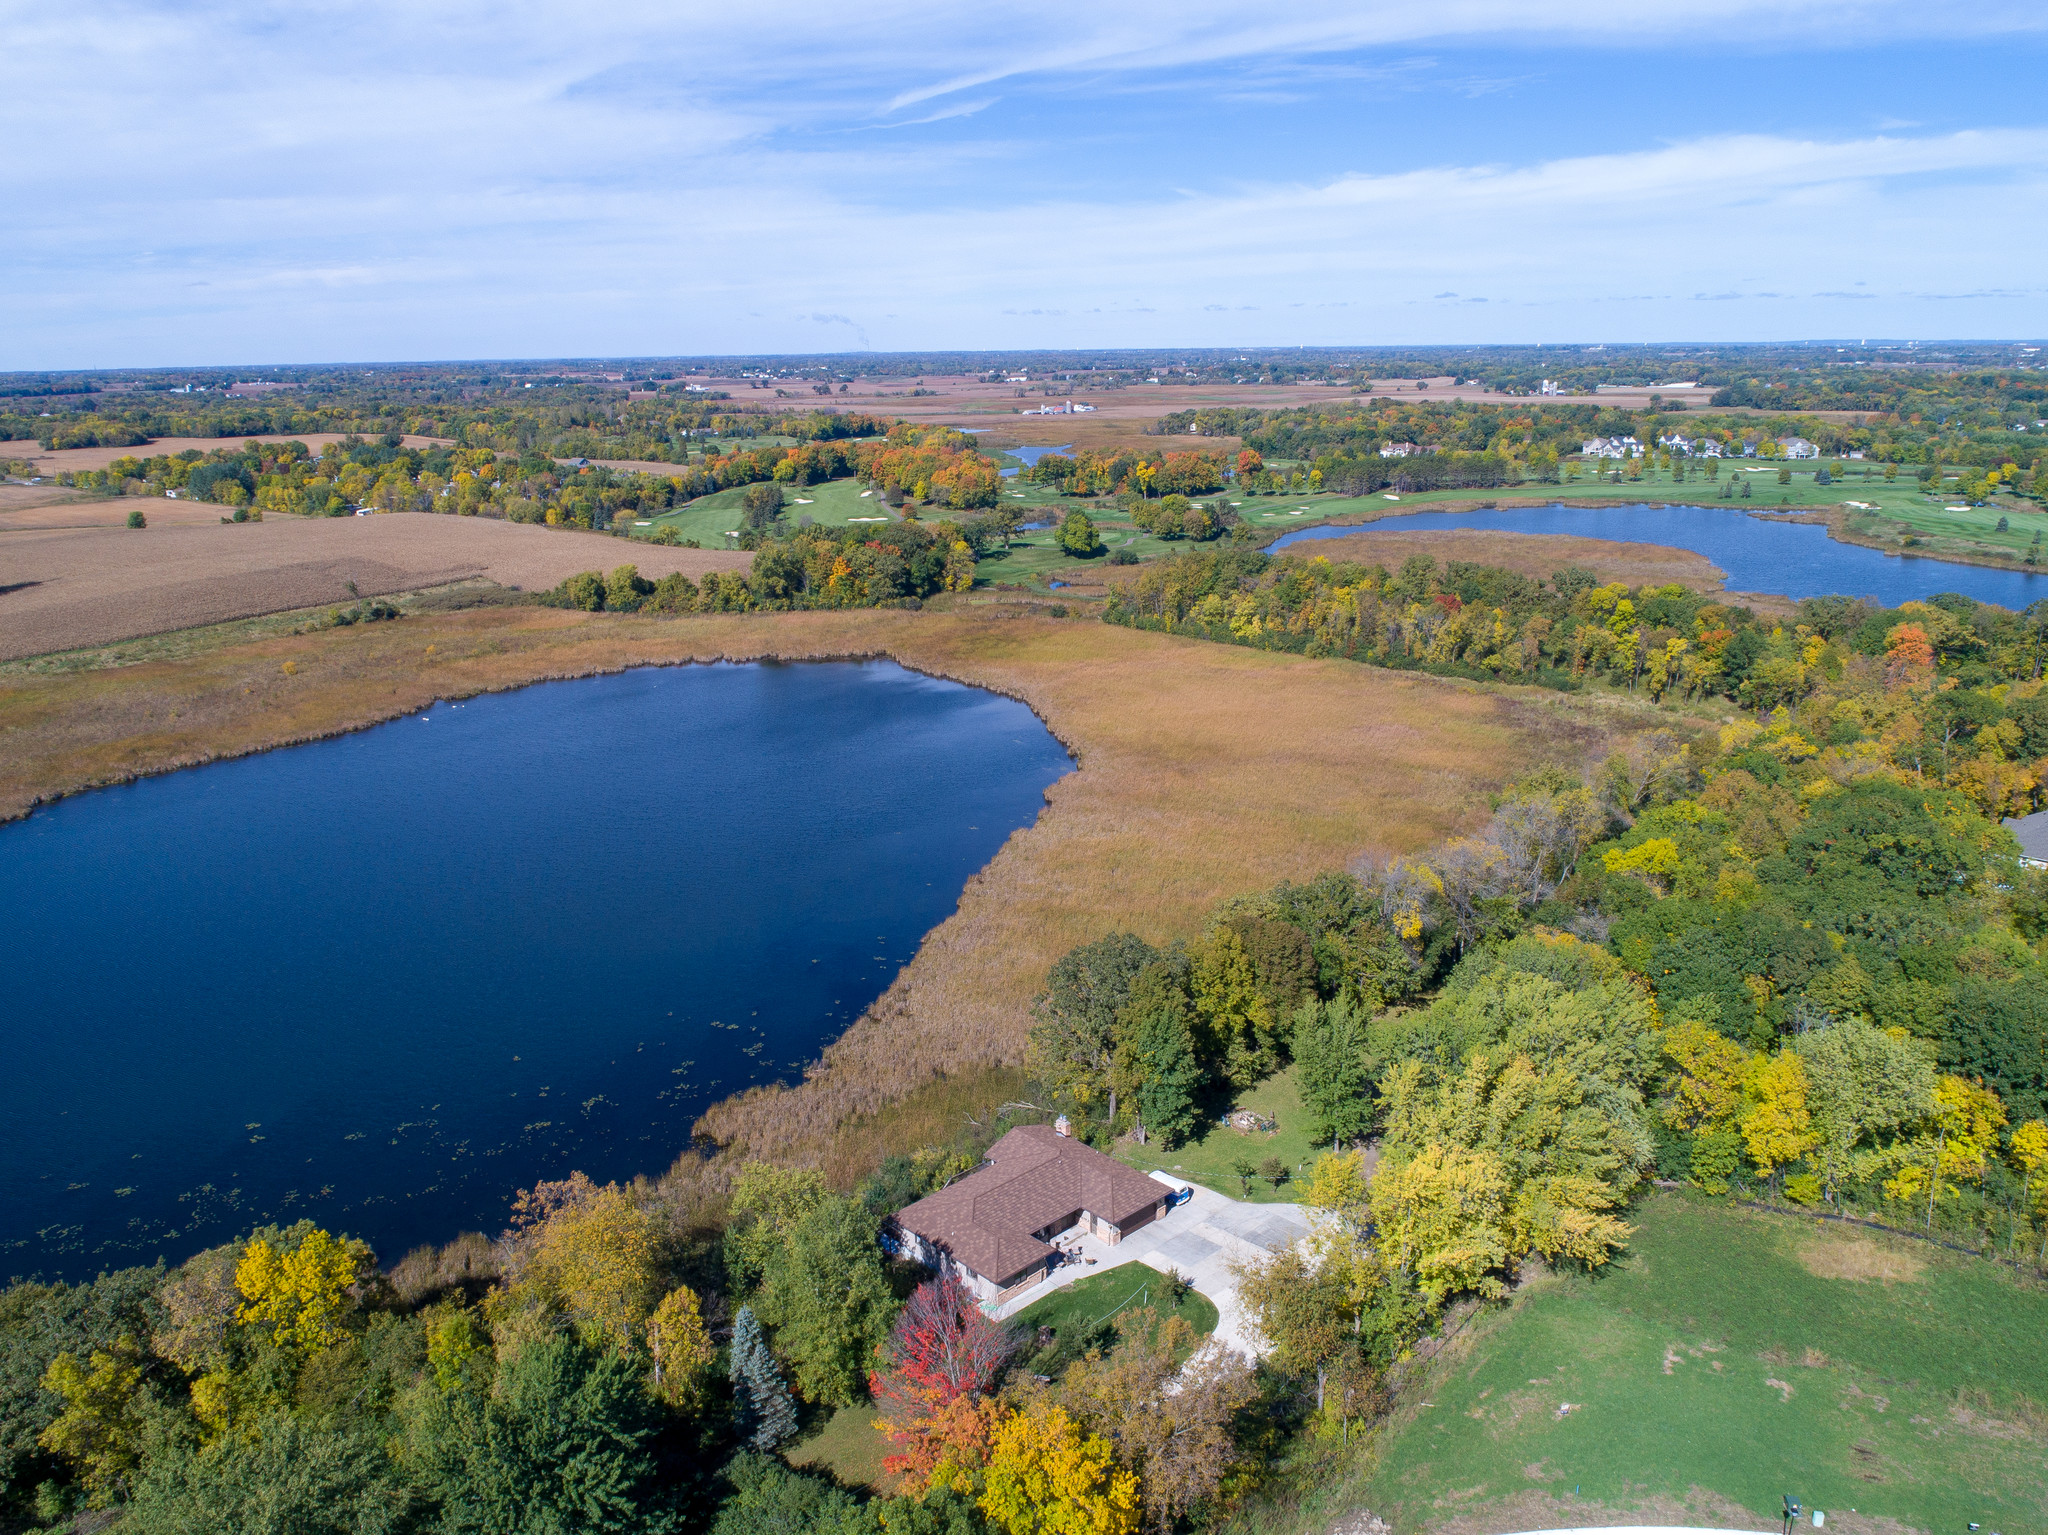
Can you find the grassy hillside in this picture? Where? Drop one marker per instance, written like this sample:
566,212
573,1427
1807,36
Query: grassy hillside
1742,1356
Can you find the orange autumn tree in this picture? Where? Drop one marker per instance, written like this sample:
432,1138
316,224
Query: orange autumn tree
1908,656
942,1356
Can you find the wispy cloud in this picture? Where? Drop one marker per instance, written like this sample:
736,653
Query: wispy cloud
450,178
958,109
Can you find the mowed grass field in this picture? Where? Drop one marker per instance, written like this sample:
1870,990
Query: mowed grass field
708,519
1210,1159
1732,1358
844,1443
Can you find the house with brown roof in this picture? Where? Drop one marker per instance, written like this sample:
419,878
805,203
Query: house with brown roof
994,1227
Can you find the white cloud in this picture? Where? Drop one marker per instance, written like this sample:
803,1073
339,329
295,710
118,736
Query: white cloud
451,178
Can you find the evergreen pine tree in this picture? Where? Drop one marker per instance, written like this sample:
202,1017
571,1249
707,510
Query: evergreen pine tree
767,1414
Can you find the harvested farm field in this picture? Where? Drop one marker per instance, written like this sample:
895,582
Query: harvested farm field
1205,771
69,588
70,460
25,508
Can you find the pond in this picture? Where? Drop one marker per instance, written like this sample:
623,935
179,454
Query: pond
1787,559
387,979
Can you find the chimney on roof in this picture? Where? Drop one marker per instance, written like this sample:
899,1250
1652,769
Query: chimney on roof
1061,1127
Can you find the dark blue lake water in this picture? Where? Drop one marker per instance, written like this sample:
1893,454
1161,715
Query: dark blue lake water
385,980
1786,558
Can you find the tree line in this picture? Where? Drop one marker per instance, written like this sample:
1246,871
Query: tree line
1772,971
1978,665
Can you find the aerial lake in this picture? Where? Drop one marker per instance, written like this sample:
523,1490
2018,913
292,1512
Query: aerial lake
1788,559
387,979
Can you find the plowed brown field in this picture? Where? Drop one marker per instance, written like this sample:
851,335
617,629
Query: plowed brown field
66,588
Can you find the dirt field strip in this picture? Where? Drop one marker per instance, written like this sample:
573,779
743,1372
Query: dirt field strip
67,589
1206,770
49,461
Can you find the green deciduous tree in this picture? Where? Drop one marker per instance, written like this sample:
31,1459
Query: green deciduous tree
1073,1044
1077,535
1157,1065
1862,1084
99,1430
1334,1072
829,1301
768,1498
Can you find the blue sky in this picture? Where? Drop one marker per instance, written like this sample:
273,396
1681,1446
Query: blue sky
222,182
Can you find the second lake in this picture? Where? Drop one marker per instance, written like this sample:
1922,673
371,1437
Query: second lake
1786,559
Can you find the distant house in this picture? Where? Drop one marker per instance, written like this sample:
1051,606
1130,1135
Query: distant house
1797,447
994,1228
1693,447
2032,833
1405,449
1610,447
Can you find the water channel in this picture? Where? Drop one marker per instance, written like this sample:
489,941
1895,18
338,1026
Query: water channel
384,980
1783,558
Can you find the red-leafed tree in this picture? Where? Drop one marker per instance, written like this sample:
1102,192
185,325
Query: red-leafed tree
942,1356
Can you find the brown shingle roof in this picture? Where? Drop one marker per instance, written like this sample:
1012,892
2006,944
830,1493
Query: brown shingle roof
1034,1179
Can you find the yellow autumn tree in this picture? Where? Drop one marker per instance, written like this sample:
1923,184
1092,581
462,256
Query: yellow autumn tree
99,1430
1442,1215
1341,1233
1777,1126
2030,1150
1955,1148
300,1290
1230,1003
1706,1083
680,1345
601,1259
1046,1477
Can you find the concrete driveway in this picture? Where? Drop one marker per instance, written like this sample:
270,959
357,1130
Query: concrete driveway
1201,1238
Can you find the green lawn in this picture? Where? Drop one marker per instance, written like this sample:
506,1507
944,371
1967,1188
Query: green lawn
1209,1160
1084,1315
1740,1353
847,1444
709,518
